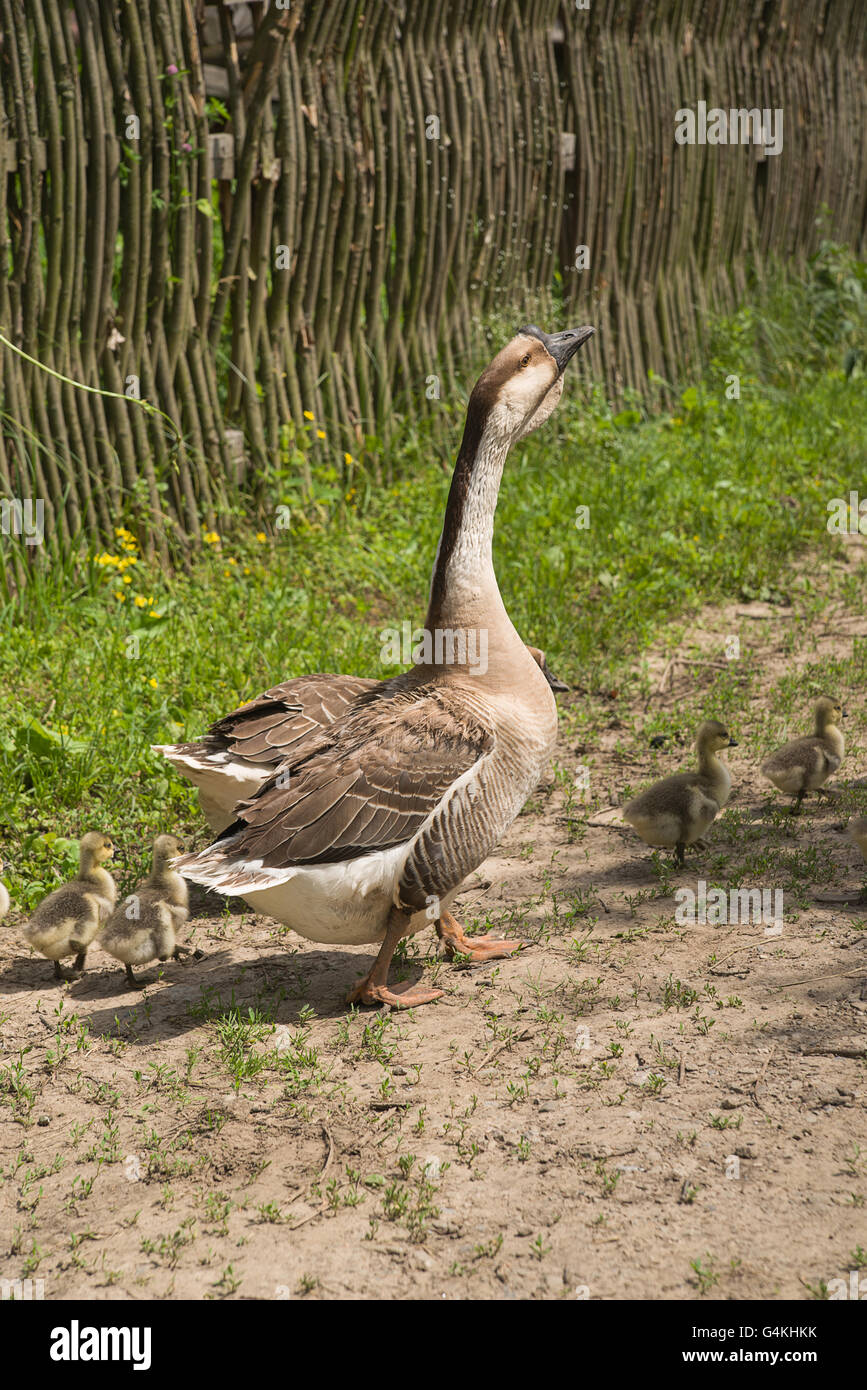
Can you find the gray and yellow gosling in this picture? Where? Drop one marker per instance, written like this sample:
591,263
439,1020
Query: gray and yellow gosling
678,810
805,764
65,923
144,927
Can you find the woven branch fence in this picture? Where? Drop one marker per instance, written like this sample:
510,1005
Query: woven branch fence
327,210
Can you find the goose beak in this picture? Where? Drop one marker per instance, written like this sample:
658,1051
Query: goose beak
554,681
562,346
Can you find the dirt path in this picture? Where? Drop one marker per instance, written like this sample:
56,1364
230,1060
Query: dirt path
631,1108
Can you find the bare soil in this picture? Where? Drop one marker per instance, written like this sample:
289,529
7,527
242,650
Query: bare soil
630,1108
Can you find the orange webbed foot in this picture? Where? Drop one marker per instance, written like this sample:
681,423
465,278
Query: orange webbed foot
478,948
402,996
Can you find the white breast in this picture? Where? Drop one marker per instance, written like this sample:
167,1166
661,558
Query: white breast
345,904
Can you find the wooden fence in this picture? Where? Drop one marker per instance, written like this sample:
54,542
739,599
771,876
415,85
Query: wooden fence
246,214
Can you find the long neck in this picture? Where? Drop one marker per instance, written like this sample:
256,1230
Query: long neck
91,872
830,734
716,772
708,762
88,869
161,874
167,880
464,587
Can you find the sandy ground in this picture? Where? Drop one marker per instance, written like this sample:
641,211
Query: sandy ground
630,1108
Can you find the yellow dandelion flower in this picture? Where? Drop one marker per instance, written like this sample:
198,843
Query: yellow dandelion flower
127,579
211,538
153,682
347,458
140,601
116,713
261,537
232,560
246,569
308,415
119,594
320,434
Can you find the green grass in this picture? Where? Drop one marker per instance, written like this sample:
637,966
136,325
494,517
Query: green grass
712,499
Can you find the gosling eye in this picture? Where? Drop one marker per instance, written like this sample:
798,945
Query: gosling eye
525,359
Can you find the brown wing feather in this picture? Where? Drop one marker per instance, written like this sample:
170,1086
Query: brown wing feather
370,783
271,726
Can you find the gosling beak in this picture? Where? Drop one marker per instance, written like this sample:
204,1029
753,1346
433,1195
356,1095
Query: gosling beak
733,743
562,346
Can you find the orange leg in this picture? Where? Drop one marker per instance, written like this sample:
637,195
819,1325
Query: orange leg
479,948
374,987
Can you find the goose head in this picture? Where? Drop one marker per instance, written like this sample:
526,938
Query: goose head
827,712
166,851
521,387
94,848
712,736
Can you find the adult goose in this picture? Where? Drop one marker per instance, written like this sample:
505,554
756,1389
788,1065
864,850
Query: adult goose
369,827
240,752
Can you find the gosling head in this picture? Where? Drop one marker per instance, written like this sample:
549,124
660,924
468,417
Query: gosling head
94,848
712,736
827,712
523,384
857,832
166,851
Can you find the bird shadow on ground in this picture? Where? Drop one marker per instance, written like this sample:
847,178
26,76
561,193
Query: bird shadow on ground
184,994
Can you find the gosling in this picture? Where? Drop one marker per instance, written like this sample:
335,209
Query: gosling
4,895
678,810
144,927
805,764
65,923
